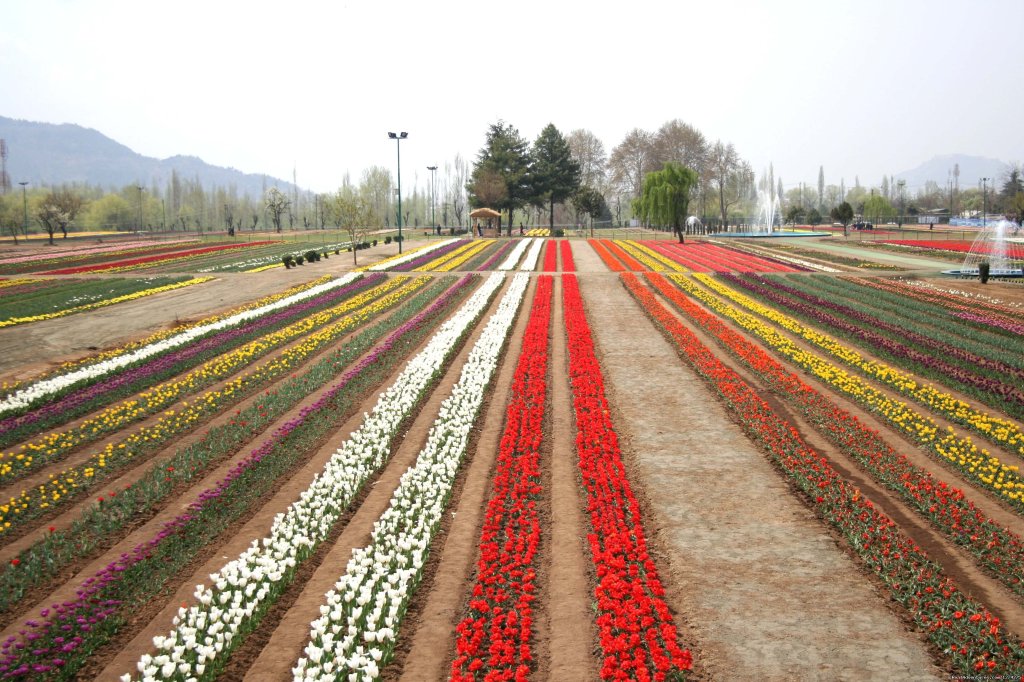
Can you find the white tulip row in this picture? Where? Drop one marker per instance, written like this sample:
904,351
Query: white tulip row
26,396
202,632
530,262
356,631
517,252
391,262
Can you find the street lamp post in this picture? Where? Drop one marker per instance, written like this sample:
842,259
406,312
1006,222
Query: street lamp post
984,200
140,188
24,202
398,137
433,199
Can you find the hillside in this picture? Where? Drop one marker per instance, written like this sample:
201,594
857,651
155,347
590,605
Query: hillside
972,169
53,154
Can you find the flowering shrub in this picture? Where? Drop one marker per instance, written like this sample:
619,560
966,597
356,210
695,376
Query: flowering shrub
961,627
356,631
638,637
243,588
494,640
46,388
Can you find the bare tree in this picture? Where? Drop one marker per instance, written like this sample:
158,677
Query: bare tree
730,177
455,192
681,143
630,160
277,203
352,212
375,188
588,151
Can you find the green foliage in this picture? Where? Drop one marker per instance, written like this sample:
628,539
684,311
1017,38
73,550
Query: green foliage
665,197
588,200
813,216
843,213
795,214
877,208
288,260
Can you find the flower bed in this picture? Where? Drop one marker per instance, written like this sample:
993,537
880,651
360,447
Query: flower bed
529,263
104,600
568,264
46,389
143,261
459,258
359,623
224,349
500,254
960,453
76,299
406,260
969,635
515,254
244,588
654,260
551,257
494,639
995,547
609,260
638,637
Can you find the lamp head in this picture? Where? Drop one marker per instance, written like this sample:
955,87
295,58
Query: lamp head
403,135
392,135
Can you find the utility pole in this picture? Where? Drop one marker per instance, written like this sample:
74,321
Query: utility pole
433,219
24,202
984,200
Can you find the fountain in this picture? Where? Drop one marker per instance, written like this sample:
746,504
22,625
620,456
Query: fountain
1004,256
767,209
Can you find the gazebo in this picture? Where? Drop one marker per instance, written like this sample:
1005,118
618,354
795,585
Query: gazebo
483,213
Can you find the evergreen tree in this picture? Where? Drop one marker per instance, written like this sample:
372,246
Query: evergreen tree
555,174
504,156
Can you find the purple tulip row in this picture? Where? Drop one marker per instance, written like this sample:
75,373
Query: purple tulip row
916,339
991,322
89,608
499,255
770,291
140,373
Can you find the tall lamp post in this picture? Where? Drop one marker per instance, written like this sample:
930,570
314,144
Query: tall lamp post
433,200
24,202
140,188
398,137
984,200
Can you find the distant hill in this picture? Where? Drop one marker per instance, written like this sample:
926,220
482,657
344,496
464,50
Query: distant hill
54,154
972,170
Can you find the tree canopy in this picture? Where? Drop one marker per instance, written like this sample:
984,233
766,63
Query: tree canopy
505,156
665,197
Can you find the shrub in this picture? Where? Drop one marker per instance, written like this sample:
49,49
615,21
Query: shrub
298,260
387,239
559,232
312,256
288,261
375,242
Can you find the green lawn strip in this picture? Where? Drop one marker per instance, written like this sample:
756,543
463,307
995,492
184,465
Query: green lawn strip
81,292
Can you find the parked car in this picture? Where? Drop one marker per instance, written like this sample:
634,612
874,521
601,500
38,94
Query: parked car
862,225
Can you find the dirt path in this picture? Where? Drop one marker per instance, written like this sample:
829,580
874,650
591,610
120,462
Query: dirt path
771,595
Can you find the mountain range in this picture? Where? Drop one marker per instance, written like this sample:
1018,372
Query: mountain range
55,154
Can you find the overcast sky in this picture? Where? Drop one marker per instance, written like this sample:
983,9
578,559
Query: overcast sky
862,88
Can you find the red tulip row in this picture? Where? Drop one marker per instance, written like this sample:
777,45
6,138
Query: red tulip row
617,251
703,257
551,256
1012,250
493,641
960,626
638,636
143,260
568,264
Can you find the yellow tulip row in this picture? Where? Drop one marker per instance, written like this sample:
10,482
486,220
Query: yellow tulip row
164,333
266,267
383,262
176,421
476,247
11,321
961,451
157,397
649,257
438,263
17,282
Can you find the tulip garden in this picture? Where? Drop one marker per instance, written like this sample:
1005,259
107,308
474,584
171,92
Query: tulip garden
362,472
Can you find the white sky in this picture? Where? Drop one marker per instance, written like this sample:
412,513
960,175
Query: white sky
867,87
